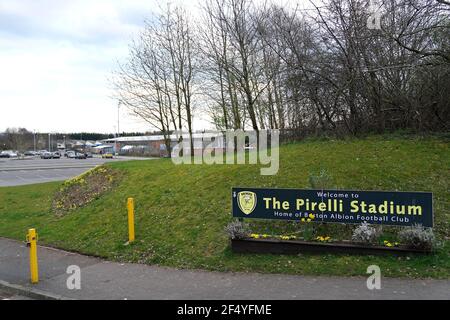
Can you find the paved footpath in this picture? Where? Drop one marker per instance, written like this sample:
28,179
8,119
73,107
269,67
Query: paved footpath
5,295
107,280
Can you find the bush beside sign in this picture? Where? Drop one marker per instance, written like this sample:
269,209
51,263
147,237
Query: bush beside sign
334,206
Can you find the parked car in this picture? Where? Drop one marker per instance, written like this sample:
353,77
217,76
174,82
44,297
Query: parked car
41,152
47,155
8,154
56,155
30,153
70,154
88,155
4,154
80,155
107,156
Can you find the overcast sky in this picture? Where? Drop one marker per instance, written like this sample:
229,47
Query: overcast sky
56,57
55,60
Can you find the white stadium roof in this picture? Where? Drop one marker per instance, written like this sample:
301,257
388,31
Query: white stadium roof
173,137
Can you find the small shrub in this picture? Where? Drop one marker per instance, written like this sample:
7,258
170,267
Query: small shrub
418,237
365,233
323,180
308,231
237,229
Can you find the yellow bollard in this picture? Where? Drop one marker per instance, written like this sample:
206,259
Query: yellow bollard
130,205
32,242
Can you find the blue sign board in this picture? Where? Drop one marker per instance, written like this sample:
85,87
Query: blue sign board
338,206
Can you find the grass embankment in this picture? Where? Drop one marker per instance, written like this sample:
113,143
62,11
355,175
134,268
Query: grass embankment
181,211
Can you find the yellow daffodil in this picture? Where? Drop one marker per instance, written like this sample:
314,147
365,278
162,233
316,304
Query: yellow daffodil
323,239
311,216
388,244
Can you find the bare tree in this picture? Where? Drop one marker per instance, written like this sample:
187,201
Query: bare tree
261,67
157,82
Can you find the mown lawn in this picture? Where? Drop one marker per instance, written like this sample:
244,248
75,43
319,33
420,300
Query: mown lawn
181,210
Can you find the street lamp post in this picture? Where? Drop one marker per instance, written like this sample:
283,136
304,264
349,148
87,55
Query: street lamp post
34,140
118,119
49,143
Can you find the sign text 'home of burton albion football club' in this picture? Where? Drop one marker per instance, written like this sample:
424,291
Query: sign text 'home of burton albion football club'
339,206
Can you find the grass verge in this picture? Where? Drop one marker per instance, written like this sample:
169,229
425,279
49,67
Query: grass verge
181,211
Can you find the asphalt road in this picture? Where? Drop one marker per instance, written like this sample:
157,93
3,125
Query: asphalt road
15,172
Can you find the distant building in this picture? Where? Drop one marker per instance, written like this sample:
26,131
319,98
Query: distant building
102,149
155,146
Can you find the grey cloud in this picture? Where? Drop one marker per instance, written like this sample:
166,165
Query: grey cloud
45,23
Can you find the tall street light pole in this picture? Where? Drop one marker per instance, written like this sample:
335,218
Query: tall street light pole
118,119
34,140
49,143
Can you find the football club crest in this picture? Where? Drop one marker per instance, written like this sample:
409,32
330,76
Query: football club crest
246,201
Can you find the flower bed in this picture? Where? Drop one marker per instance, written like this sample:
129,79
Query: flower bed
284,246
366,239
85,188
